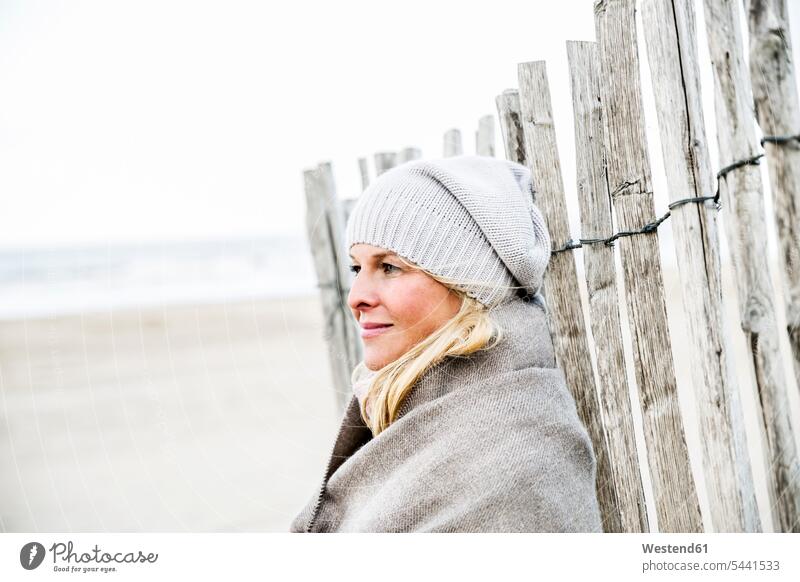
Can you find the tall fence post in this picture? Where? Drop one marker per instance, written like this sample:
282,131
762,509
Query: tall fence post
778,111
672,50
347,207
452,143
594,201
363,172
561,291
326,238
742,194
630,184
508,112
384,161
484,136
408,154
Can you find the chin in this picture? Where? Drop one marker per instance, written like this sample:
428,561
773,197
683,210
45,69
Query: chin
376,362
373,364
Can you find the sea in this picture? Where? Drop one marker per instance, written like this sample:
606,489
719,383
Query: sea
43,282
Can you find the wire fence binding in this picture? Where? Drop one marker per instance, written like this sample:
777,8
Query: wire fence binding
652,226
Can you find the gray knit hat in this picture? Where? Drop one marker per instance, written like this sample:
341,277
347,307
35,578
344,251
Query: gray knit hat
470,218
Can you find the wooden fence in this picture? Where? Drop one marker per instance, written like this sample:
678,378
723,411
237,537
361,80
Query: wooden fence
617,214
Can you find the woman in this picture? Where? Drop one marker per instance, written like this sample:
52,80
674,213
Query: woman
460,420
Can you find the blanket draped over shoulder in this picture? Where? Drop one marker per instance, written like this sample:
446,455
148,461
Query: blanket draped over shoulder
490,442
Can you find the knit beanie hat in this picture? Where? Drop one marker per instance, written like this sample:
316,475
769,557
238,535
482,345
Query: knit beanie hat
469,218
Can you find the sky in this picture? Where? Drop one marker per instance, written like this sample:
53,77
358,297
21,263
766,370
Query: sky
170,120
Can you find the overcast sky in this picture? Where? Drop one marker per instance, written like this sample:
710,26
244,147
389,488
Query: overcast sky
151,120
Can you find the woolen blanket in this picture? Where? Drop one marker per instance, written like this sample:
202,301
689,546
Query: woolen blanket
490,442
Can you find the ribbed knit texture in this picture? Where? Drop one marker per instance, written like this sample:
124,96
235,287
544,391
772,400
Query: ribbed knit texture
470,218
487,443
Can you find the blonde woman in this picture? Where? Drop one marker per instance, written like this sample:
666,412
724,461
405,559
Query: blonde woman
460,420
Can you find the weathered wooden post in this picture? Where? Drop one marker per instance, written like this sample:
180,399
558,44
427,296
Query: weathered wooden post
408,154
630,183
452,143
598,260
364,172
384,161
672,49
774,83
511,126
484,136
741,193
561,290
347,207
326,237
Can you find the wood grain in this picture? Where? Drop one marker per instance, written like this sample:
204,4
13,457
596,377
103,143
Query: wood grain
630,184
774,82
560,289
324,225
670,34
595,209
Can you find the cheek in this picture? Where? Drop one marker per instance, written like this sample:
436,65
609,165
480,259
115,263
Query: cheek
421,307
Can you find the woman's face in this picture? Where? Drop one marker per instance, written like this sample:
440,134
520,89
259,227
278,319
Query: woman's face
384,291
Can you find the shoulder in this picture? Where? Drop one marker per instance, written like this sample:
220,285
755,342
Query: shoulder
532,399
503,453
515,456
524,417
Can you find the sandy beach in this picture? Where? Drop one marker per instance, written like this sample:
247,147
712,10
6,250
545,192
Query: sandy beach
218,417
184,418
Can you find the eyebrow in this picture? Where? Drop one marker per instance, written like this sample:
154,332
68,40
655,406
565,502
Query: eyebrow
378,255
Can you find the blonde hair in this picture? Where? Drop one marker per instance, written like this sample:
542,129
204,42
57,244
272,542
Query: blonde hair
468,331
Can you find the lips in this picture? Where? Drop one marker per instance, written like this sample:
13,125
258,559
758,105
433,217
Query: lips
369,330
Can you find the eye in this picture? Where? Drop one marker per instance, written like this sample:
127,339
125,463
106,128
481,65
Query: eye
356,268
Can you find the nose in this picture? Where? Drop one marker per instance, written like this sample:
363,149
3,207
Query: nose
363,292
